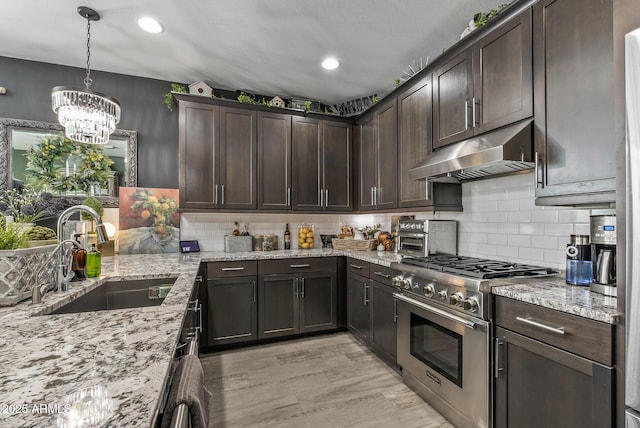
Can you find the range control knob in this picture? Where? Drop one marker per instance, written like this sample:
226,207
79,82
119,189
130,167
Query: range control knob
396,280
406,284
442,295
470,304
429,290
456,299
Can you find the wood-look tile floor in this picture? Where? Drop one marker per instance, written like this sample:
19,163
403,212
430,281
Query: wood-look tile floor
322,381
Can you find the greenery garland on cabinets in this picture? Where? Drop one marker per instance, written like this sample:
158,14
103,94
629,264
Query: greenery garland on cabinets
48,167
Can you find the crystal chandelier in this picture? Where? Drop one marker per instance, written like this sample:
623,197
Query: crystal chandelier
87,116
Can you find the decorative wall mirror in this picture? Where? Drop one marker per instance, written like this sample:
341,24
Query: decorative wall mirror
17,136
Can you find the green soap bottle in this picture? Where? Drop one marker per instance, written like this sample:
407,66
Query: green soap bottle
93,262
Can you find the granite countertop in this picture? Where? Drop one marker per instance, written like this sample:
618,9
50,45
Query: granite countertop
121,356
553,293
124,356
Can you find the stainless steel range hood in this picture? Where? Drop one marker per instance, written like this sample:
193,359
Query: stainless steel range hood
503,151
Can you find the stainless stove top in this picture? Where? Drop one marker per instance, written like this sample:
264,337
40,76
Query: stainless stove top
456,282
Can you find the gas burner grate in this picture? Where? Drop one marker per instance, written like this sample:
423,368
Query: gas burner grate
476,267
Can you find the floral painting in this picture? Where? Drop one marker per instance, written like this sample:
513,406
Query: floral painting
149,220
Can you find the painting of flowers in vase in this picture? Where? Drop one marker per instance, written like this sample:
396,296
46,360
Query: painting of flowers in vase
149,220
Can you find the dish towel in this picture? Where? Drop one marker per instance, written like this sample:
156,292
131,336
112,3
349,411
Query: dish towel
188,388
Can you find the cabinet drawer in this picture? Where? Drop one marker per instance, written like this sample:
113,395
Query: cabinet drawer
358,267
572,333
232,269
381,274
306,264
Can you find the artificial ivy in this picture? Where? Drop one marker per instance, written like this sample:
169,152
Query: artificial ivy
46,165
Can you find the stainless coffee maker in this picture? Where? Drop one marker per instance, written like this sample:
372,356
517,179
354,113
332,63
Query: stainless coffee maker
603,253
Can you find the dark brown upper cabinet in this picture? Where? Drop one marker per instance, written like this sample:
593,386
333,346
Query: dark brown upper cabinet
321,165
217,157
274,161
376,154
579,107
486,86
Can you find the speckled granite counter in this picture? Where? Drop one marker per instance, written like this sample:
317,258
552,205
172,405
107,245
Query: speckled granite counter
554,293
124,356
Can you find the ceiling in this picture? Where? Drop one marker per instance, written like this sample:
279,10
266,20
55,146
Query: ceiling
268,47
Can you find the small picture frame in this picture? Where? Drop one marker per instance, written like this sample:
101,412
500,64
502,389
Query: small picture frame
189,246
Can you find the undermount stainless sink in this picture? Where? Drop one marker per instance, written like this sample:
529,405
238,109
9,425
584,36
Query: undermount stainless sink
117,294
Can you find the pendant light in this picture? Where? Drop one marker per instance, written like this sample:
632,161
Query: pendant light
87,116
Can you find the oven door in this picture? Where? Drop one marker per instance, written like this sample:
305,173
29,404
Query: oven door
445,357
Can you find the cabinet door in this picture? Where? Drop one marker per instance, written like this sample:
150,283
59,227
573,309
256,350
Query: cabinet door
387,157
453,100
414,142
278,297
358,306
538,385
574,92
383,321
318,301
237,158
502,68
306,167
336,165
366,159
198,151
232,310
274,161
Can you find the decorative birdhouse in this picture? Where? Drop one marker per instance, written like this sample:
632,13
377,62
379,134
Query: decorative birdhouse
200,88
276,102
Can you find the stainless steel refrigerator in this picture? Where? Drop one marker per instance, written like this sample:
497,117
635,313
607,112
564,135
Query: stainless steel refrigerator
632,215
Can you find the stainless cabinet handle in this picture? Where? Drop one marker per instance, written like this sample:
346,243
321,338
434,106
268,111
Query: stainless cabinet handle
302,289
232,269
199,278
474,101
288,196
539,182
215,195
222,193
356,266
254,291
304,265
496,368
297,290
426,190
372,197
529,321
382,275
466,114
321,197
395,310
326,198
375,196
366,287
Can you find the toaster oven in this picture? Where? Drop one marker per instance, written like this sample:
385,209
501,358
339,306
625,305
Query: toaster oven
425,237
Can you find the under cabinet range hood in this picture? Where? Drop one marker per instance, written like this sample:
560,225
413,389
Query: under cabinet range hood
503,151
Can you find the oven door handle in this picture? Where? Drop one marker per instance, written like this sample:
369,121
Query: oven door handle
472,325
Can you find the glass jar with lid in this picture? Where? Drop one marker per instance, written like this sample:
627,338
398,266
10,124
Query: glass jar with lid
305,236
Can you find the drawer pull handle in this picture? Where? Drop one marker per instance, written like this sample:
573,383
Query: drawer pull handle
356,266
304,265
558,330
232,269
382,275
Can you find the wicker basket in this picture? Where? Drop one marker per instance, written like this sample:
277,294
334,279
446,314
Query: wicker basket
354,244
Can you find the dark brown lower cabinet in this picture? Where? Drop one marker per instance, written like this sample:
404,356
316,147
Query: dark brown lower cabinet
545,369
296,303
232,310
358,308
383,322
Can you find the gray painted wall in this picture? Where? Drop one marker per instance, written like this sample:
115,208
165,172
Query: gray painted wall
28,96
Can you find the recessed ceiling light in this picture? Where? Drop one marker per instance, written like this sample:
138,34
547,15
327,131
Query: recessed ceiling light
150,24
330,64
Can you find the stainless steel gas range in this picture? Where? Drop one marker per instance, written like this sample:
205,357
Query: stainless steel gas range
444,330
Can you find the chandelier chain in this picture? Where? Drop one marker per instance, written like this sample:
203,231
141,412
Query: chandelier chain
87,79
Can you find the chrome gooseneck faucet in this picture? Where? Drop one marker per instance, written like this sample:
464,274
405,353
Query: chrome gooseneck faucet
63,268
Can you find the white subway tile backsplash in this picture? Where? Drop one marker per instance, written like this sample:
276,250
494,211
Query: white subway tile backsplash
500,220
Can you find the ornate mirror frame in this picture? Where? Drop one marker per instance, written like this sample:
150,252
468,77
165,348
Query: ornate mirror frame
7,124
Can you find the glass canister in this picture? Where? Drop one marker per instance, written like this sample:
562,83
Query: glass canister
305,236
579,263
